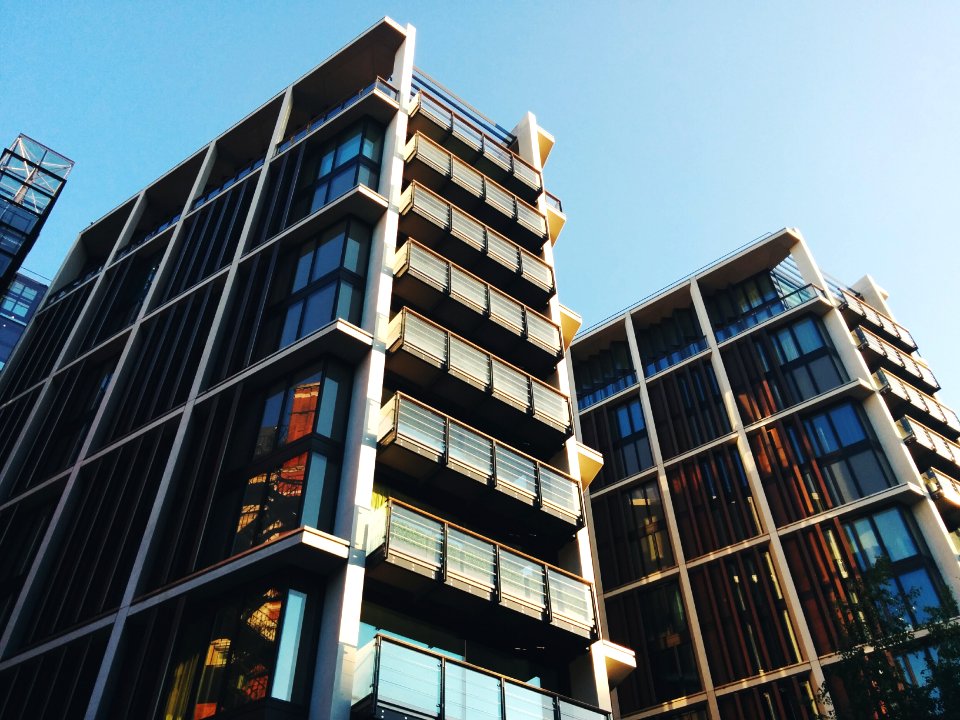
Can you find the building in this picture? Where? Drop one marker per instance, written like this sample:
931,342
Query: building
20,302
768,433
32,177
291,435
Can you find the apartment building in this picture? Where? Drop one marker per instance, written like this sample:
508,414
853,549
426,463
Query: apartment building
291,435
768,434
17,306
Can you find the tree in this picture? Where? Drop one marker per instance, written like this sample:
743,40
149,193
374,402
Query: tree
888,668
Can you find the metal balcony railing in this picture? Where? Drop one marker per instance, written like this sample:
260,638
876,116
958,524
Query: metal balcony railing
448,552
914,432
461,358
467,289
767,310
379,85
674,357
508,205
481,238
866,340
489,148
889,383
883,324
395,678
228,183
471,453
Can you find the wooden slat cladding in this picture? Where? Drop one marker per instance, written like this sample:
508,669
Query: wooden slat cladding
687,408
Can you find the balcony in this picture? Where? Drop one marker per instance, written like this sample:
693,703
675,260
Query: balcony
879,353
493,392
439,169
451,573
887,328
474,246
902,396
929,447
945,492
396,680
770,309
675,357
474,473
431,117
462,301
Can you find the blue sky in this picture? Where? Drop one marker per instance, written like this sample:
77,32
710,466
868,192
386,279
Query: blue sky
684,129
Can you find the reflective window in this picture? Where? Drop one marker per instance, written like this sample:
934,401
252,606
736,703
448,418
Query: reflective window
631,445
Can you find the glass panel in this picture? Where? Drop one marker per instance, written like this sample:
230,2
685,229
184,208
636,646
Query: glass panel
271,504
550,404
302,275
471,559
349,148
559,491
470,449
569,711
522,579
510,384
919,581
847,424
409,679
416,536
808,336
526,704
570,598
506,310
422,425
864,539
252,652
289,646
470,695
425,336
895,535
516,470
291,324
468,290
469,361
318,310
543,330
341,182
328,254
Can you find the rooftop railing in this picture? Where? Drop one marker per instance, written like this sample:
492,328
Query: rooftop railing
753,317
379,85
448,552
471,453
476,184
877,319
866,340
479,368
416,198
396,677
473,293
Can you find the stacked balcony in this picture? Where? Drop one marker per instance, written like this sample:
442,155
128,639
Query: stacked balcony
430,117
440,225
461,300
891,331
472,472
945,492
431,165
902,396
877,352
396,680
929,448
496,393
452,573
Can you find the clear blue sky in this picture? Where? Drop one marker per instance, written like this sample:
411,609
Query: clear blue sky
684,129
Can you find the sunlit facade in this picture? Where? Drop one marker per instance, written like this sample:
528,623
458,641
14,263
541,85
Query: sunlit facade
291,435
768,433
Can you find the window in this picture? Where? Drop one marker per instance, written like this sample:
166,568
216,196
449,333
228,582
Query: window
19,300
806,360
631,445
604,374
331,169
243,652
326,282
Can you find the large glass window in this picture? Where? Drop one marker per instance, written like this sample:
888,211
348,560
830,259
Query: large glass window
631,445
242,653
604,374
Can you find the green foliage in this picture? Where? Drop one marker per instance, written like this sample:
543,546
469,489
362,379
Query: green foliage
879,642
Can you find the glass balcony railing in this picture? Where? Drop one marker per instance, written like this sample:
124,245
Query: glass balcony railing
480,144
891,330
914,432
889,383
146,237
411,332
379,85
489,569
894,358
674,357
470,453
586,400
492,195
477,236
553,201
767,310
73,285
227,184
468,290
396,679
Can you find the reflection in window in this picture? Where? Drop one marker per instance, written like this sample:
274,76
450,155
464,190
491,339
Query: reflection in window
230,660
631,445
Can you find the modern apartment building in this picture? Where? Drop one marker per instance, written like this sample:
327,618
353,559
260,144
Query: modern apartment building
32,177
291,435
17,306
768,434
